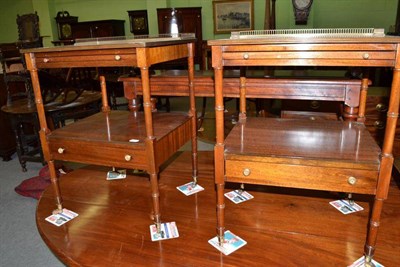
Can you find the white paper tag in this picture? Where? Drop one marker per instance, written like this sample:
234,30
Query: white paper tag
168,231
61,218
188,189
117,174
360,263
231,243
345,207
238,196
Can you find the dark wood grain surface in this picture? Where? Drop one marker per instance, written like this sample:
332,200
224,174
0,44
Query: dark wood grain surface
283,227
294,138
21,106
121,126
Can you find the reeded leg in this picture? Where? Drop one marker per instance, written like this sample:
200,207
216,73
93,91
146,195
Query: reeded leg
193,112
194,152
383,184
220,186
219,159
155,194
151,156
385,170
220,213
56,187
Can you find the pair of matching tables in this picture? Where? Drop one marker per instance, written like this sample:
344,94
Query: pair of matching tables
320,155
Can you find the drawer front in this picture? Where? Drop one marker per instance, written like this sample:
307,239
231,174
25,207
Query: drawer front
90,58
99,154
301,58
375,120
300,176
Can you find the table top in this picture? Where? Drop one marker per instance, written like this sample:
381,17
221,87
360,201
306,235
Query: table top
303,40
116,42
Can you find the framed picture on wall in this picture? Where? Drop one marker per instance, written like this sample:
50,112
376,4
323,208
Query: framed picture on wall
233,15
138,22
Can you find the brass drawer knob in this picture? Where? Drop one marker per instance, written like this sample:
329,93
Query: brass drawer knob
60,150
365,56
379,125
381,107
128,157
315,104
352,180
45,60
246,172
117,57
246,56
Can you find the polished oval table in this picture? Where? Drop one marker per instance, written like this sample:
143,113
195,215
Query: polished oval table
112,228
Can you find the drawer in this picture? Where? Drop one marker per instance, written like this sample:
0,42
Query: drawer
109,58
375,119
298,58
302,176
376,127
376,106
132,156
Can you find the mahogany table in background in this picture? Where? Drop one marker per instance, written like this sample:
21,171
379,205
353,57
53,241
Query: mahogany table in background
174,83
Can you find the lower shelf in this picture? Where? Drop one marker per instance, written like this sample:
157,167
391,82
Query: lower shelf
119,139
323,155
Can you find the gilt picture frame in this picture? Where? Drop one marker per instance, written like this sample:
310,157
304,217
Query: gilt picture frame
233,15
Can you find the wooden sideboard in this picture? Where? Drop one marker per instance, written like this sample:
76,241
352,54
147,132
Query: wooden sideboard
98,28
318,155
94,29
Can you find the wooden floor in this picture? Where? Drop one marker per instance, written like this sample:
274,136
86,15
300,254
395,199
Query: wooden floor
283,227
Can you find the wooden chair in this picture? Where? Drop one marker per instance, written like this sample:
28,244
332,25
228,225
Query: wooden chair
15,73
58,95
28,31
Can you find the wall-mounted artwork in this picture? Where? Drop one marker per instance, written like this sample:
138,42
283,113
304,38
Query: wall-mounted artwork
233,15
